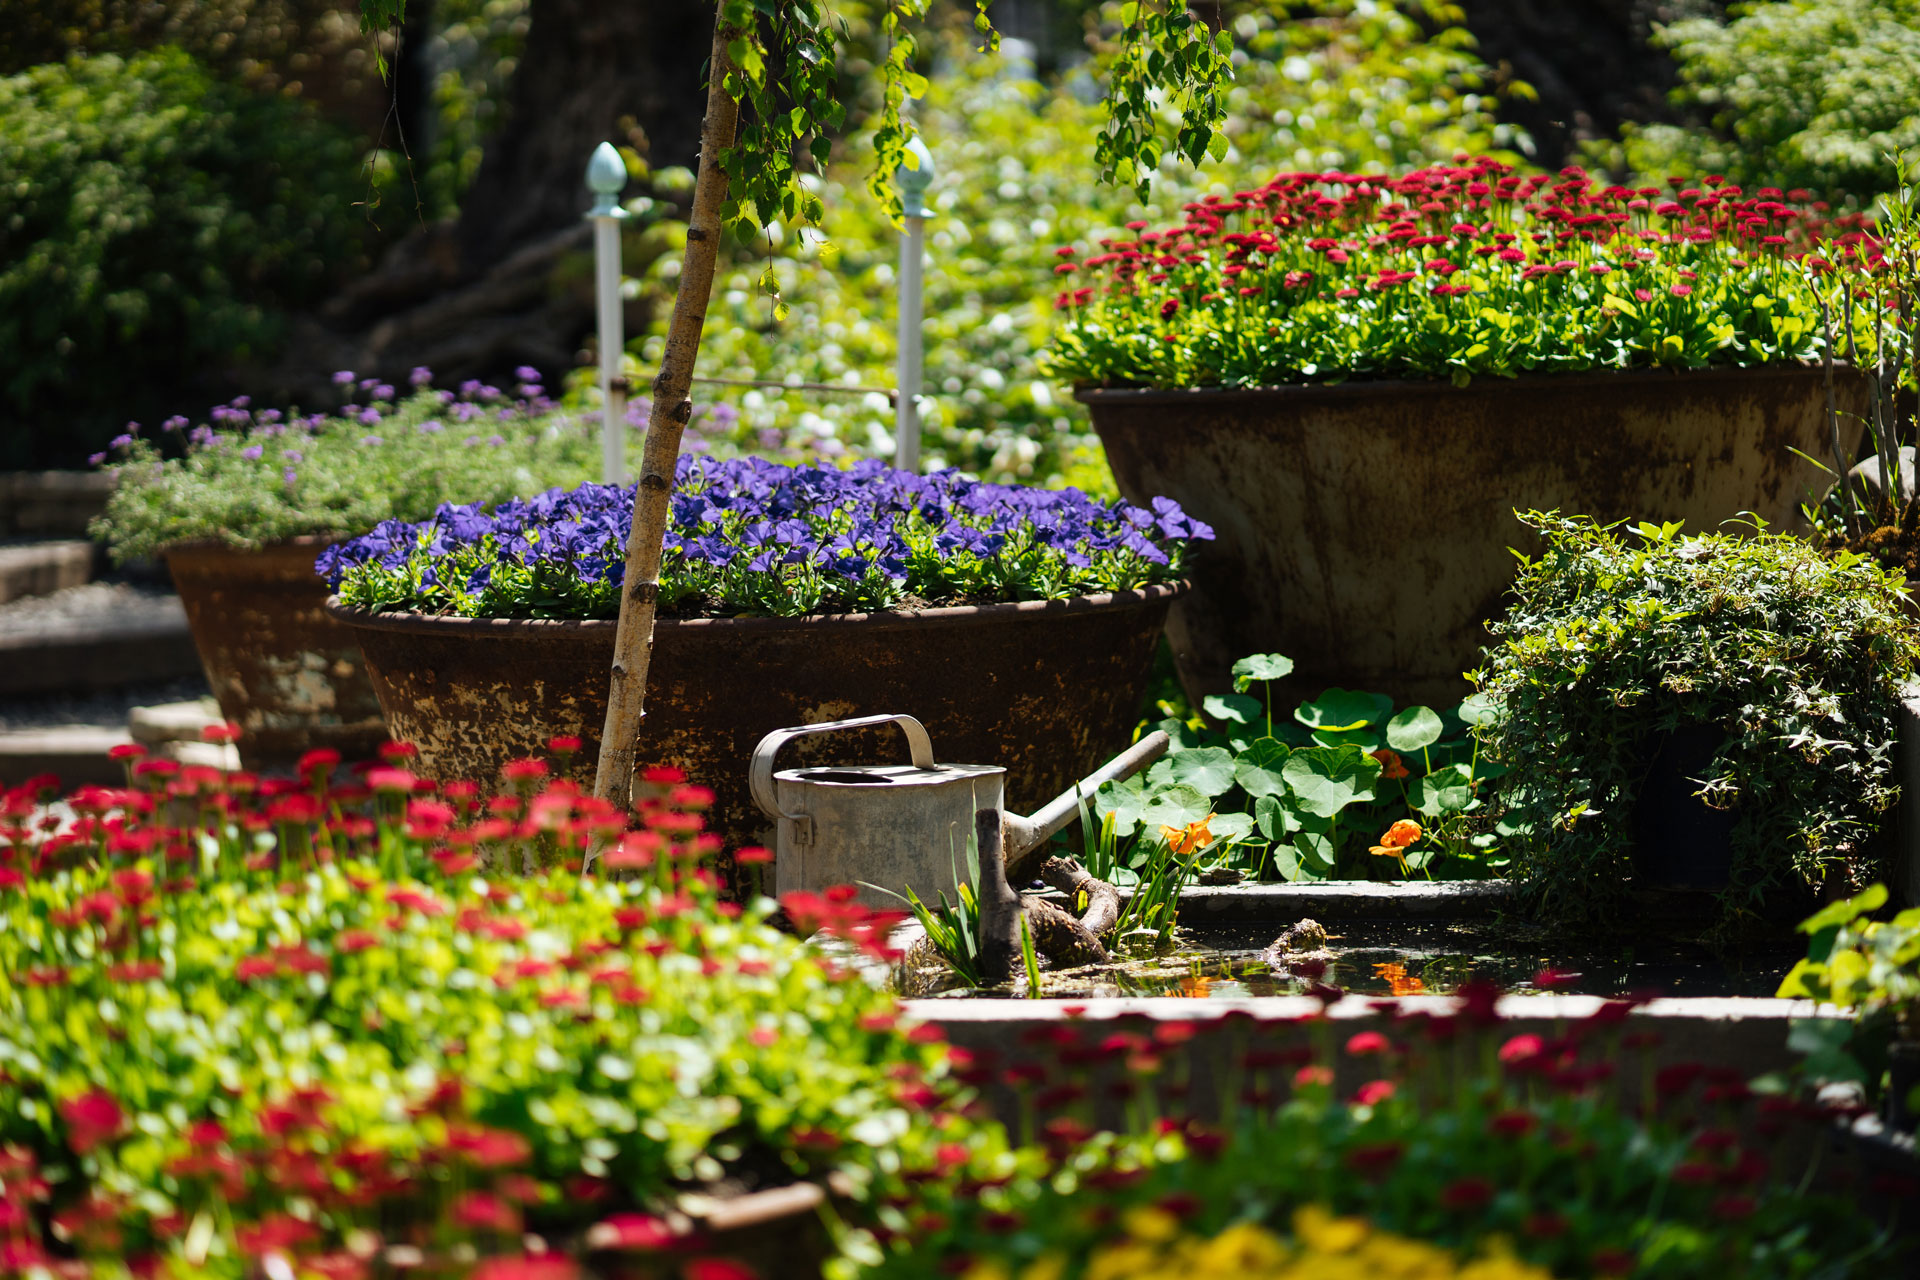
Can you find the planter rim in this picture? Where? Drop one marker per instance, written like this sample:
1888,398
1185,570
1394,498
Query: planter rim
952,615
217,546
1361,388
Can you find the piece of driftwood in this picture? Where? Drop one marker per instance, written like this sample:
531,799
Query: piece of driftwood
1063,938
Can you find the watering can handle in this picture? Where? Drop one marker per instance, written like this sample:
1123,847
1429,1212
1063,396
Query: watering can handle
760,773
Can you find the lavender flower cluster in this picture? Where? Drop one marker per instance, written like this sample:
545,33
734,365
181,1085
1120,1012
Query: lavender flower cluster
750,536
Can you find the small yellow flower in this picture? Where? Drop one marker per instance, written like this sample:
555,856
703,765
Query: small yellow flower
1321,1232
1150,1224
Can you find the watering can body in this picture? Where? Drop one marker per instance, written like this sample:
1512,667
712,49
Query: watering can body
888,829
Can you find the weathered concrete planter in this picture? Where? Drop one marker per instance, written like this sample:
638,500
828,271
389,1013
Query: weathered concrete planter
1363,528
290,676
1048,689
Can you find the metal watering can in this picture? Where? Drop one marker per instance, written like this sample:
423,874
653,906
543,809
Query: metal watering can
901,826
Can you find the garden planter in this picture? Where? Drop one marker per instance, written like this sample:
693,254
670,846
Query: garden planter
1048,689
290,676
1363,528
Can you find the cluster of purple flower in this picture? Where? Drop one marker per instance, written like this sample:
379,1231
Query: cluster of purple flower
751,536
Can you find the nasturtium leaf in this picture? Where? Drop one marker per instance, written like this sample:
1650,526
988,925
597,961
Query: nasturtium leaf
1368,739
1124,800
1176,806
1344,709
1257,769
1286,862
1414,729
1270,817
1260,666
1234,708
1479,709
1231,826
1872,898
1208,770
1325,780
1444,791
1316,852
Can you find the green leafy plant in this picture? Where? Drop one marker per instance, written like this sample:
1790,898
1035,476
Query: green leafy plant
1509,1154
952,929
326,1017
1871,967
260,476
1619,636
159,219
1817,94
1329,793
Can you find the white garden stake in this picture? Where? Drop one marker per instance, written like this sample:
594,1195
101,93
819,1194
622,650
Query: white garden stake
607,177
913,207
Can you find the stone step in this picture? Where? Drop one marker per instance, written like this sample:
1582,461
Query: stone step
102,635
52,504
76,754
42,568
172,722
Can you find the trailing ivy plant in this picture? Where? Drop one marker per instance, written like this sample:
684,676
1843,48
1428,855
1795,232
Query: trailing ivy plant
1618,636
771,87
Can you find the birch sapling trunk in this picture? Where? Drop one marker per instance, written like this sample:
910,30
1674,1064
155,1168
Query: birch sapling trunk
652,507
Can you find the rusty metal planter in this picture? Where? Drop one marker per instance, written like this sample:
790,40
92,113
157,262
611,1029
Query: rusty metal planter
1048,689
286,673
1363,528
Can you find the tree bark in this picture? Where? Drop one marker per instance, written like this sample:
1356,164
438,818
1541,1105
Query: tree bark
652,504
592,71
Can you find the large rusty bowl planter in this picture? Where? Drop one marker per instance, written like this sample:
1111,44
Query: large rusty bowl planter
1363,528
290,676
1047,688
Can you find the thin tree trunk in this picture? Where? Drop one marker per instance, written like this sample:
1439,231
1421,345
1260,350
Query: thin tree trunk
633,641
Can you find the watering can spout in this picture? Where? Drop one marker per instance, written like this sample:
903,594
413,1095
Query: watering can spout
1024,835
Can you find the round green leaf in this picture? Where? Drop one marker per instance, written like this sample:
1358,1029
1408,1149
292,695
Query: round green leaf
1325,780
1208,770
1479,709
1260,666
1234,708
1257,769
1176,806
1414,729
1338,709
1442,792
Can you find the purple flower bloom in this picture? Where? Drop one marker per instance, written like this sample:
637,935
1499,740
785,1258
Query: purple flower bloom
344,378
175,423
122,441
430,427
201,436
95,459
252,452
496,440
383,392
372,441
369,417
289,477
421,376
241,402
294,455
527,373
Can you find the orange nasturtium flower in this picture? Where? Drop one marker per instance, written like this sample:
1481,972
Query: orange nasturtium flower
1189,839
1398,981
1394,843
1392,767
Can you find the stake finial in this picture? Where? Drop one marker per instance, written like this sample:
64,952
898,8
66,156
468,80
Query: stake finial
606,178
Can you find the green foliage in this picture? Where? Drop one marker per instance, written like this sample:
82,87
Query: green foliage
1616,638
1364,87
209,984
1871,967
1819,94
1466,1134
262,478
1331,794
157,220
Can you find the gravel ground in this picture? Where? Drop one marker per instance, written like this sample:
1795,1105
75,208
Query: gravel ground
97,604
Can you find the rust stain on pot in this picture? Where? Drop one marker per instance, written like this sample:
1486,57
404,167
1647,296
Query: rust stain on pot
1363,529
288,674
1049,689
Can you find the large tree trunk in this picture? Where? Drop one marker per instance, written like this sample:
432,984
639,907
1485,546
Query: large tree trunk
625,71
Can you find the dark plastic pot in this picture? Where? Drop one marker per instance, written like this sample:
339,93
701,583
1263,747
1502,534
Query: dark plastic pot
1363,528
1679,842
290,676
1049,689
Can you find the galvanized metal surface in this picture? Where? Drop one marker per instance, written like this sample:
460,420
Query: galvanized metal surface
1363,528
289,675
1047,689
